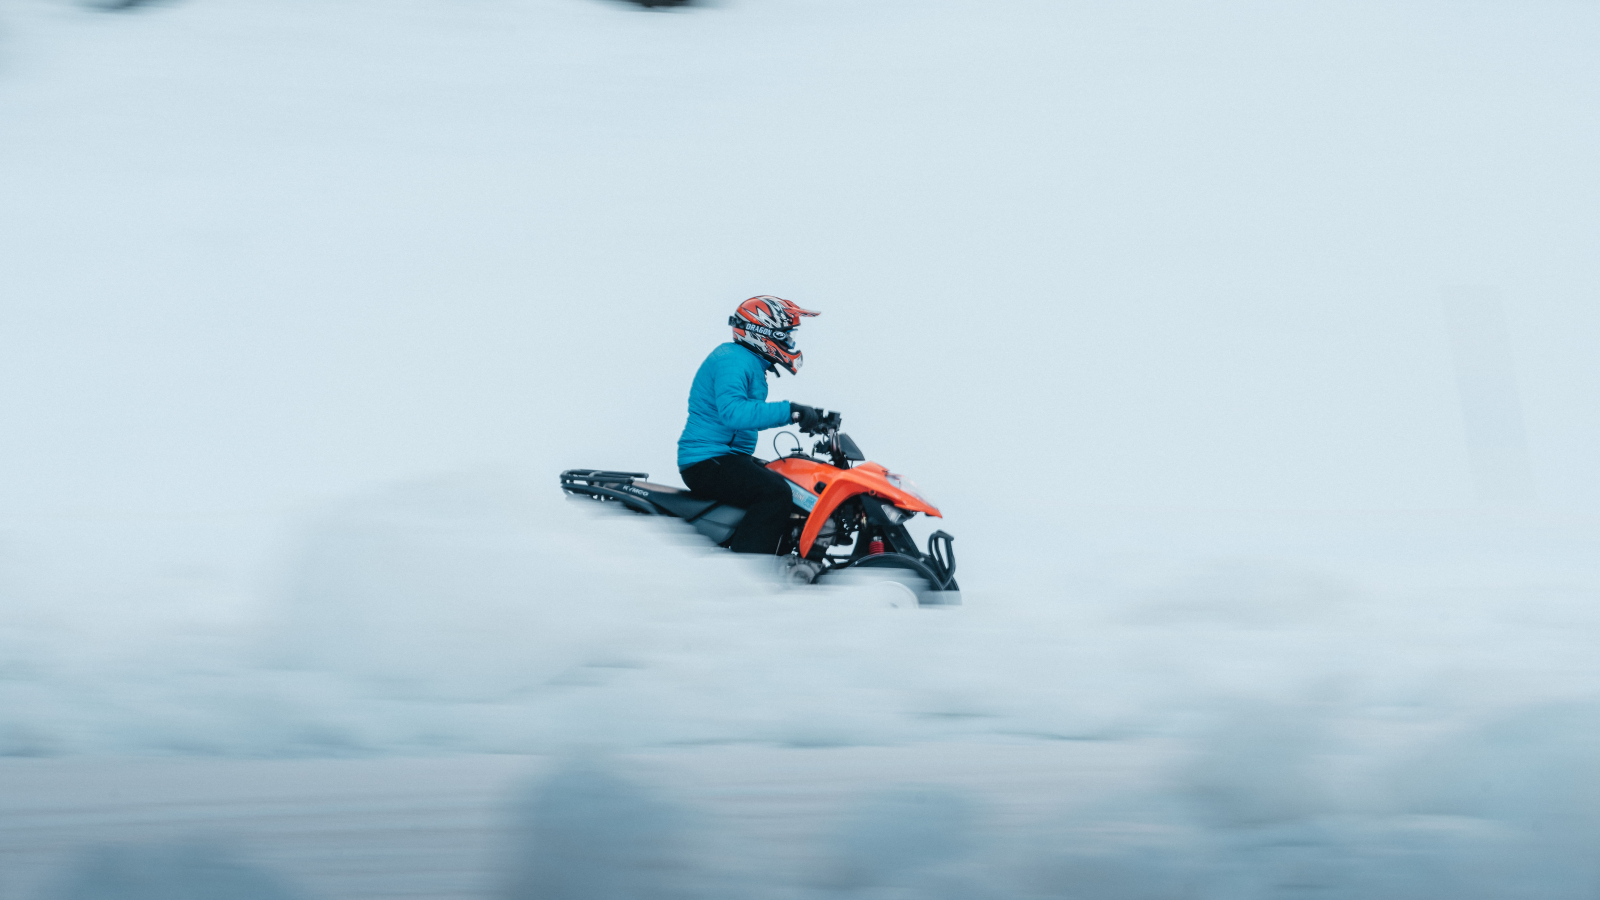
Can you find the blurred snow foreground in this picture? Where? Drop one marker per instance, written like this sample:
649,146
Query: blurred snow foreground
964,820
683,728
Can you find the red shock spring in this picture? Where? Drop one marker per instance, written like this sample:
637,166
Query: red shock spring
875,545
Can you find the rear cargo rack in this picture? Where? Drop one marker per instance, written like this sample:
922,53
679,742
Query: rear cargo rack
599,484
600,477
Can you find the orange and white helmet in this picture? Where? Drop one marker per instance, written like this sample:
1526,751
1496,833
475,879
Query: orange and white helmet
767,325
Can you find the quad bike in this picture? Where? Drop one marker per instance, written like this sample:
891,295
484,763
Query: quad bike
848,518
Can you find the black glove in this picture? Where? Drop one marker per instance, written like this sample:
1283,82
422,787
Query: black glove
809,417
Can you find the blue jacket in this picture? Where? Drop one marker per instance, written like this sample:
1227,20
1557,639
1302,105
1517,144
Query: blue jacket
727,406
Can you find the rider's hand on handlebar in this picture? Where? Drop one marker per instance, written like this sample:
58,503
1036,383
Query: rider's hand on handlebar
808,417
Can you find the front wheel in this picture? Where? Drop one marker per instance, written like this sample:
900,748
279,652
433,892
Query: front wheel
886,569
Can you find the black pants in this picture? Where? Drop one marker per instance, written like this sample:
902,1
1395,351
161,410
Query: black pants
743,481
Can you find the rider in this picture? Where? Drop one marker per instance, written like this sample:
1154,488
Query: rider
728,405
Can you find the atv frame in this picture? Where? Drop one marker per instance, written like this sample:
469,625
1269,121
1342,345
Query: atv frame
844,515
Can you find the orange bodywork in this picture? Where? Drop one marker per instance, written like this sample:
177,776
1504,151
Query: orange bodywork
839,485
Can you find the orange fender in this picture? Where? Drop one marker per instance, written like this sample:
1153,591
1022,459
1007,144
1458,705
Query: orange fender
833,486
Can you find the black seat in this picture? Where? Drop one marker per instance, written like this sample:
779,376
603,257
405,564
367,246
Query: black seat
676,501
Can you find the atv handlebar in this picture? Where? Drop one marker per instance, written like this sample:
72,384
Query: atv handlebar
835,444
828,425
840,449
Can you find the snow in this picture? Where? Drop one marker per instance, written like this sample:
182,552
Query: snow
304,305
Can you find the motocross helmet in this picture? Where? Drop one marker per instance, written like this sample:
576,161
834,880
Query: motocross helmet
767,325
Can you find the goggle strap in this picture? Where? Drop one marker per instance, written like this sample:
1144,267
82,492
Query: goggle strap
762,330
